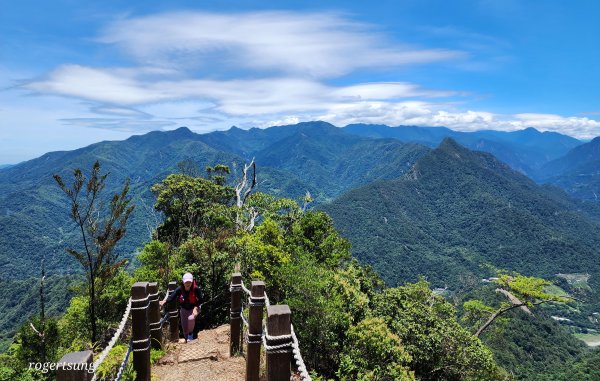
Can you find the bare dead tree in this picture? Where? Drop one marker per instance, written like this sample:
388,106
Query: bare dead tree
306,200
242,190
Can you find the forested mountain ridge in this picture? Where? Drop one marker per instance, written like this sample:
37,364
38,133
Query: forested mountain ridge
578,172
30,201
456,217
524,150
457,210
467,209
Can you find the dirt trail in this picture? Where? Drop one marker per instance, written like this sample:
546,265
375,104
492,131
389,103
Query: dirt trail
206,358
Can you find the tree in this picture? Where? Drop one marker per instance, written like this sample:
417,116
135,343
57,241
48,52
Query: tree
521,292
375,354
199,221
242,190
218,173
192,206
101,229
440,347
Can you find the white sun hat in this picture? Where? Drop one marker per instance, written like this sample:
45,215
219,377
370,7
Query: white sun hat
188,277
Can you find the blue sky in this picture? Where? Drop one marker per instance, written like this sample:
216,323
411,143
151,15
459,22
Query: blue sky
73,72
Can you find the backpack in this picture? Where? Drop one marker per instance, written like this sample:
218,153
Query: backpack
191,294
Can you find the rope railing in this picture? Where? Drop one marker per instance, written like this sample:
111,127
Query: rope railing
298,356
275,333
283,346
146,332
124,362
114,339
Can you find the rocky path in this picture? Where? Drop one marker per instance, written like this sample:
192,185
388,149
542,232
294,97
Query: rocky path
206,358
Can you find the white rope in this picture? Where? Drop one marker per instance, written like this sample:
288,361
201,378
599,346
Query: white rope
124,363
281,348
278,337
253,338
245,289
134,342
243,318
267,301
115,337
290,344
298,357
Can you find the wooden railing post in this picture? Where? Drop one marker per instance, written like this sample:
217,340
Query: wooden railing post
279,334
235,325
140,331
256,305
75,366
154,316
173,315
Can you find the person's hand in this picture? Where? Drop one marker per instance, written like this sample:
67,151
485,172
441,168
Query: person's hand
195,312
162,302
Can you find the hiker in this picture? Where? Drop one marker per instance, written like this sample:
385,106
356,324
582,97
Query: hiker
189,297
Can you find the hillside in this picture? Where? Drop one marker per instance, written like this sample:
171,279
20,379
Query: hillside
458,210
578,172
318,158
524,150
34,219
431,236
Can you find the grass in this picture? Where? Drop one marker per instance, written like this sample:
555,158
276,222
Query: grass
591,339
555,290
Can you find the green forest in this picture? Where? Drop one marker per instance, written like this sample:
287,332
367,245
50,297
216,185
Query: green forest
351,325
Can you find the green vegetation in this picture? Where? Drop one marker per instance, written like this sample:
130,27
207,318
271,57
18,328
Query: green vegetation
448,218
101,230
525,342
524,150
576,172
34,222
68,333
459,211
343,316
521,292
585,368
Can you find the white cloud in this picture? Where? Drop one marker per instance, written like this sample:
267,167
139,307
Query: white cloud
447,115
235,97
202,103
317,44
209,71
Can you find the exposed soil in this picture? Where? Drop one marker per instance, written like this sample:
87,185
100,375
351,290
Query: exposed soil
206,358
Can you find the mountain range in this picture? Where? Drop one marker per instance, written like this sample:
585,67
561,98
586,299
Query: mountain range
412,200
525,150
578,172
315,157
457,211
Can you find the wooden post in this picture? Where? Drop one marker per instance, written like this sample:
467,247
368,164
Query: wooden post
256,305
139,331
235,325
279,333
173,315
154,316
75,366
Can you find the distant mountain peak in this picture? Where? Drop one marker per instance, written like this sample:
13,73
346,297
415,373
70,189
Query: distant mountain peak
318,127
451,145
182,131
531,130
